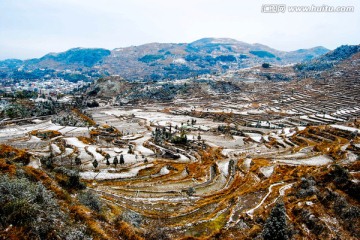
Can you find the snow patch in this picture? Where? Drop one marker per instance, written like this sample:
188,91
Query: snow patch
180,61
267,171
34,139
254,136
97,155
247,162
106,175
224,167
164,171
75,142
55,149
314,161
345,128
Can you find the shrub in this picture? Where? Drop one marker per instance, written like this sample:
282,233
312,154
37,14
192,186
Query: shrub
340,174
69,178
312,222
190,191
131,217
157,234
182,139
75,232
28,205
276,226
265,65
92,104
306,188
90,200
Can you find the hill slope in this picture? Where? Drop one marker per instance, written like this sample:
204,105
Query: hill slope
330,59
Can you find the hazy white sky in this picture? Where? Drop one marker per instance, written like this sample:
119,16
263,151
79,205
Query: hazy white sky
32,28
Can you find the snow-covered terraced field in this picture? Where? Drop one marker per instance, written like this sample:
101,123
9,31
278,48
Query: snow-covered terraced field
216,177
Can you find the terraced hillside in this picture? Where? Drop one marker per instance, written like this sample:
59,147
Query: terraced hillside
178,176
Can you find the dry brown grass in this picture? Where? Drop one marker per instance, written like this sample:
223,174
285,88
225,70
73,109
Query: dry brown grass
220,116
86,140
15,233
207,158
103,130
84,214
48,182
258,163
87,119
7,167
13,154
47,134
94,133
126,231
166,110
210,155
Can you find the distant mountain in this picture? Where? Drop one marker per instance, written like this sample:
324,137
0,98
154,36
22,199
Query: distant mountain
159,60
345,62
156,61
11,63
330,59
73,58
76,57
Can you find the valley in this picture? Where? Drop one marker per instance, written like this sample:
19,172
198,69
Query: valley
208,157
198,167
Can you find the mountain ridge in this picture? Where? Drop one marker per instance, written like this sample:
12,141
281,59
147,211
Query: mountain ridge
330,59
116,86
156,61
